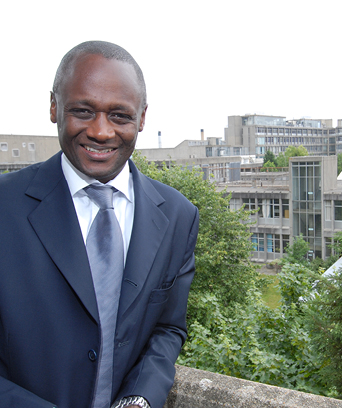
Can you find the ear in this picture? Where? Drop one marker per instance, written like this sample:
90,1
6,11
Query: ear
53,108
142,119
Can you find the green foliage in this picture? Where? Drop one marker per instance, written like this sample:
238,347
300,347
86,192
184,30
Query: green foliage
273,346
336,246
297,251
282,160
231,331
324,319
223,266
296,282
271,293
269,166
339,163
269,157
255,343
319,264
293,151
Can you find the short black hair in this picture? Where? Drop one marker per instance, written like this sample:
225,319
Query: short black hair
107,50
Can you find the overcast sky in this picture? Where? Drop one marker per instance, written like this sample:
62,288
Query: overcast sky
203,60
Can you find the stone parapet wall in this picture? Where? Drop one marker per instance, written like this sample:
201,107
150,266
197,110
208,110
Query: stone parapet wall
202,389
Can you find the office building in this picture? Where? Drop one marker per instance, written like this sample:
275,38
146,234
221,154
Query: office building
259,133
18,151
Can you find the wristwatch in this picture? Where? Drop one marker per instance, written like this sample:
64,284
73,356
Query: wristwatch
133,400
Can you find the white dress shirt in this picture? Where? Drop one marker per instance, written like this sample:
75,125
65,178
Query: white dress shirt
86,209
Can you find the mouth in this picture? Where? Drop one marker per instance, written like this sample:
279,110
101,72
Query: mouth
102,151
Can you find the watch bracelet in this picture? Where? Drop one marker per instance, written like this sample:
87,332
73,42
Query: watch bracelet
133,400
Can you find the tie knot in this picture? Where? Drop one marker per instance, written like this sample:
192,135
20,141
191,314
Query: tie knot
102,195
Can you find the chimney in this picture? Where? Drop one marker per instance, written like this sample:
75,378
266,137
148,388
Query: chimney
202,134
159,140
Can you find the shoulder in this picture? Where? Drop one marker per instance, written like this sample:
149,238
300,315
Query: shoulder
15,184
18,179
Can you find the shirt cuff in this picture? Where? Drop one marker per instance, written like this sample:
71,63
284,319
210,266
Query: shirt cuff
131,400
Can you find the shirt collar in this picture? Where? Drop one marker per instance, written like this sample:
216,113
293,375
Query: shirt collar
77,180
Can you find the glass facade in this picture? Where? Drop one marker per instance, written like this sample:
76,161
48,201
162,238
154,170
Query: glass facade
263,120
258,242
338,210
307,202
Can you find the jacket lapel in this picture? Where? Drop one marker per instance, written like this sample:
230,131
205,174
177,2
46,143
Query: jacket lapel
55,222
149,227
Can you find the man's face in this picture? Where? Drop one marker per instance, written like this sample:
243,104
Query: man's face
98,113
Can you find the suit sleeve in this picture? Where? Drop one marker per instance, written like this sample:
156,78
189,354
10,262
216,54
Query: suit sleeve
13,396
152,377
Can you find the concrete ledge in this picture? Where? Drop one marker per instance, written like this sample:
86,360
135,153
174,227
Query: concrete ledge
203,389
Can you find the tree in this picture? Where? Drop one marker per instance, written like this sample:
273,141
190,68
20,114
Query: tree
324,319
282,160
258,343
336,247
296,253
268,166
339,163
269,157
292,151
223,266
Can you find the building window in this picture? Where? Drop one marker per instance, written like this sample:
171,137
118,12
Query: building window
338,210
249,203
270,208
285,208
234,203
327,205
273,243
261,131
15,153
4,147
258,242
328,251
31,147
286,241
260,208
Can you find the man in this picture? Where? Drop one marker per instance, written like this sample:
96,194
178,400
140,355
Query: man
55,333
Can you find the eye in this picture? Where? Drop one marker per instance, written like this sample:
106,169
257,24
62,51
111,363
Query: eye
120,118
82,113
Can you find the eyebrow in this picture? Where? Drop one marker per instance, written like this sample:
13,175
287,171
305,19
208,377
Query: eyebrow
114,107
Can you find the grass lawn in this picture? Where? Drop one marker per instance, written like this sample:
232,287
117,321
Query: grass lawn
271,294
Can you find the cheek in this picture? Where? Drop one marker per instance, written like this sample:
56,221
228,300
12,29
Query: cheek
129,137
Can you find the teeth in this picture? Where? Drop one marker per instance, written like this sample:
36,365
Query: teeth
90,149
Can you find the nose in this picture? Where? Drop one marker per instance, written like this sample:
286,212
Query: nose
100,127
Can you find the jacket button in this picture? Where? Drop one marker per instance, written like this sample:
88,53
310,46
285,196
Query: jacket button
92,355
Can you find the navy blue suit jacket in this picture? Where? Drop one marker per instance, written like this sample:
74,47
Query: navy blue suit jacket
49,323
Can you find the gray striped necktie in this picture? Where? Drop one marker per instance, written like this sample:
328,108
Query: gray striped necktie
106,259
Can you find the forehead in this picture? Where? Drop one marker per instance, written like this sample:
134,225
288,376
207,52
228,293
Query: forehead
96,75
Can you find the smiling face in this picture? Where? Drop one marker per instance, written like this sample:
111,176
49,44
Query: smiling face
98,111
